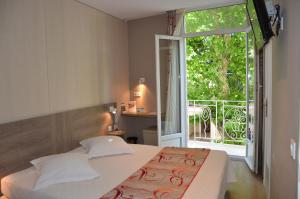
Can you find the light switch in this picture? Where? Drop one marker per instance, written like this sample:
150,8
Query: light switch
281,24
293,148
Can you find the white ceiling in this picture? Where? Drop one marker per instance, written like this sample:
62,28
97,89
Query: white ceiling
134,9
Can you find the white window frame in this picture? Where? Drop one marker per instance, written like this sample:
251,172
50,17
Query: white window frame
245,29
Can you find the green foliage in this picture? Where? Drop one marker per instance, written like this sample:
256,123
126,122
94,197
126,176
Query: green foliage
216,67
255,24
251,60
216,19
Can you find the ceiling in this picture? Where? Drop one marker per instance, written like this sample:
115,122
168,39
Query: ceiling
134,9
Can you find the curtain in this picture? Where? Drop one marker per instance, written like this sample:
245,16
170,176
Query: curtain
171,21
172,119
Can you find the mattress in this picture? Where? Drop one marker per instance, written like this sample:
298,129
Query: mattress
210,183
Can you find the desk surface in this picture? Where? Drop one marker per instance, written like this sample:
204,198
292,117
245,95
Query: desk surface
145,114
116,133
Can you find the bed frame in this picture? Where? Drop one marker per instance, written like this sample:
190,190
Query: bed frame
22,141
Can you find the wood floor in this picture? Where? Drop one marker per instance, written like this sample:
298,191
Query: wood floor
248,186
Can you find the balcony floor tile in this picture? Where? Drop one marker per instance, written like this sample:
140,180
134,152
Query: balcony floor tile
232,150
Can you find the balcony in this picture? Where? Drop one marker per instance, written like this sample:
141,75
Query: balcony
219,125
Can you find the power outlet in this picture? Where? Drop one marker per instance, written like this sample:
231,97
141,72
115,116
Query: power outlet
281,24
293,148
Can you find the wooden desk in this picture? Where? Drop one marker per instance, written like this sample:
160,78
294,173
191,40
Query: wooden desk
145,114
116,133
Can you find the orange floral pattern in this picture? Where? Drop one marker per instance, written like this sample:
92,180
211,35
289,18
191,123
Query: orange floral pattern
167,176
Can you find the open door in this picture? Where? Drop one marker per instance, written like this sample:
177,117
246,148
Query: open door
255,107
251,94
267,118
171,91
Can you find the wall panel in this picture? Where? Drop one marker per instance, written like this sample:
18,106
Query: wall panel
72,55
113,59
59,55
23,67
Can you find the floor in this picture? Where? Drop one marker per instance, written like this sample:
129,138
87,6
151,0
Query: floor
248,186
232,150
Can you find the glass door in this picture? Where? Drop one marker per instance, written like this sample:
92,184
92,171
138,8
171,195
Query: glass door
251,102
170,88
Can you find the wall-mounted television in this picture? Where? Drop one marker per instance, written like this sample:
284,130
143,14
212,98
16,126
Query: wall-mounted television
260,22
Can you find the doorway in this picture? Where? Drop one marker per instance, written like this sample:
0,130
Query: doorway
220,62
220,91
218,88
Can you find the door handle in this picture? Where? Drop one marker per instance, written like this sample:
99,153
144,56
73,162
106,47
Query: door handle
266,107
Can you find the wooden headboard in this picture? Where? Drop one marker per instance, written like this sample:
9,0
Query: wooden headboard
22,141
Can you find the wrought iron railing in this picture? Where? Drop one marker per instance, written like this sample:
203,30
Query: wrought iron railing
220,121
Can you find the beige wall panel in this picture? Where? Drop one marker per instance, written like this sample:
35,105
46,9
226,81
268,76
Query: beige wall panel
72,55
58,55
23,71
120,74
88,74
57,71
105,62
113,59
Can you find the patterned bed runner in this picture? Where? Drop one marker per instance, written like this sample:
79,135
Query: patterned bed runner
167,176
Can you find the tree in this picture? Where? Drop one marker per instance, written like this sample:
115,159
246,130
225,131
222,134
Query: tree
216,65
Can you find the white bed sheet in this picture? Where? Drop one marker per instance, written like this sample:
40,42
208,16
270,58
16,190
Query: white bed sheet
210,183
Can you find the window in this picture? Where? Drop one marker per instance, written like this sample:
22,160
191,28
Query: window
230,17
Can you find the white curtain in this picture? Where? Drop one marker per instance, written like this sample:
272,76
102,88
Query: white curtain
172,119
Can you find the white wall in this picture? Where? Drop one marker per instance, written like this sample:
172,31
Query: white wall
58,55
141,34
285,102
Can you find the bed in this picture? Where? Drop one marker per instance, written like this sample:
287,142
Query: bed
210,182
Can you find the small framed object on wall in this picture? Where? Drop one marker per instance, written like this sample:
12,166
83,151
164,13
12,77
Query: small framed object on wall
140,110
123,107
132,107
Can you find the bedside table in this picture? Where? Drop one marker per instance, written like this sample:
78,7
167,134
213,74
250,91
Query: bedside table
119,133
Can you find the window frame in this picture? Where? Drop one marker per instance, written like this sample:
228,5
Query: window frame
245,29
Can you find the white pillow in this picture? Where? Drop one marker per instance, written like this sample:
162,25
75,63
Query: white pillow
65,167
106,146
37,161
